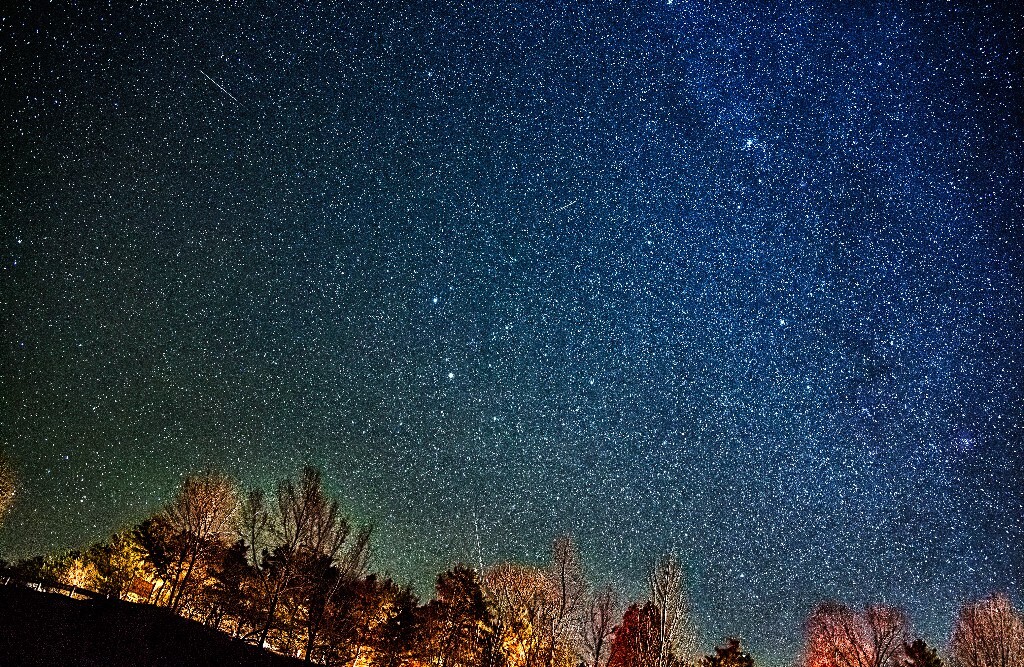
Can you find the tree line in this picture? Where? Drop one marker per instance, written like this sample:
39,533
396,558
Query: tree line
288,570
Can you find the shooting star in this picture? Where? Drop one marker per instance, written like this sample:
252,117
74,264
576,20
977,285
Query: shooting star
219,86
562,208
479,551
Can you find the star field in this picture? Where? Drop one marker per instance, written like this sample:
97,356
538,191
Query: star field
738,281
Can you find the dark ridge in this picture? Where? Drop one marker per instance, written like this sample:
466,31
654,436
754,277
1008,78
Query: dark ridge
49,629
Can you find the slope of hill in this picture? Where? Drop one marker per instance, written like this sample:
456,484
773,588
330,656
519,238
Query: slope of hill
49,629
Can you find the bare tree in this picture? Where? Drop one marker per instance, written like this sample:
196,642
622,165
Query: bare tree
201,515
312,552
540,614
599,627
253,525
524,610
8,486
295,502
676,634
339,561
988,633
568,589
837,636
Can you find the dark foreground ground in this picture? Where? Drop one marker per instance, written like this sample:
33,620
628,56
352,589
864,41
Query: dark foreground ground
50,629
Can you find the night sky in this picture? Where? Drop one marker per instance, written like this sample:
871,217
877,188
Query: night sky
741,281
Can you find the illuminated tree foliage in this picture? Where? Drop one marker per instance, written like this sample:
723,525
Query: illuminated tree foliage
637,640
288,571
117,563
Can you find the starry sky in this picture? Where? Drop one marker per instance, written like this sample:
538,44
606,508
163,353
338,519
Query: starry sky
739,280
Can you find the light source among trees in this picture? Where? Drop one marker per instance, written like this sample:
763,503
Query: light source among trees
289,571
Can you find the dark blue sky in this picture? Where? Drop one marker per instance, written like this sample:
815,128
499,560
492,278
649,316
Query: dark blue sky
738,280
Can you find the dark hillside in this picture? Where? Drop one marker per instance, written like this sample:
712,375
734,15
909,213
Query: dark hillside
50,629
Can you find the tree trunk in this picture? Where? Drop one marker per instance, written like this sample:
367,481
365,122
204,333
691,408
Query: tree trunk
175,602
312,630
270,619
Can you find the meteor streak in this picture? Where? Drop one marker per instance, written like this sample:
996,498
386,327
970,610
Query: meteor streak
560,208
222,89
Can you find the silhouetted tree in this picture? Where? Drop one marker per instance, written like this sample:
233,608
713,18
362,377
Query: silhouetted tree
729,654
339,560
315,549
159,543
253,525
568,589
919,654
457,626
349,621
296,500
231,591
395,641
44,568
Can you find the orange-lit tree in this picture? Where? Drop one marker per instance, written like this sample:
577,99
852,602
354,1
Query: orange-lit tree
838,636
523,611
540,613
200,520
988,633
370,621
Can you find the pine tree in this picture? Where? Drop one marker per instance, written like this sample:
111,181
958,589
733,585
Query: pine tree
729,654
919,654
